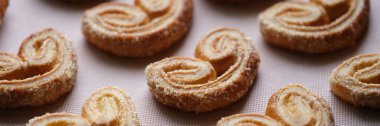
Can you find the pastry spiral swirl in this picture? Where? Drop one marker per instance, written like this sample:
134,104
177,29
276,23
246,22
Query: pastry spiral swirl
44,69
137,31
225,67
248,120
3,7
316,27
58,119
357,81
110,106
294,105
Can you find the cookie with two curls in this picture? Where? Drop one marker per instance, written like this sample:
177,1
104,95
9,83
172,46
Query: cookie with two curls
293,105
109,106
318,26
44,69
357,80
140,30
224,68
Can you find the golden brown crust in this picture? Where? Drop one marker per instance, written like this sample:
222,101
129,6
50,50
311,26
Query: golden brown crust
294,105
154,27
110,106
44,69
248,120
58,119
357,81
3,7
316,27
193,85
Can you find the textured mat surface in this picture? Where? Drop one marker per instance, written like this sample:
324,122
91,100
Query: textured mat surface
97,69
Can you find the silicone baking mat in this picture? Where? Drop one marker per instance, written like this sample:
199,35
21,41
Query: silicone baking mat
97,69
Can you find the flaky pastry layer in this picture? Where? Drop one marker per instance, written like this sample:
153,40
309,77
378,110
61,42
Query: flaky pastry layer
357,81
248,120
316,27
148,27
110,106
58,119
294,105
44,69
225,66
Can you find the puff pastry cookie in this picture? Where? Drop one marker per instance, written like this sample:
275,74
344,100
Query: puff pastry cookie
225,67
144,29
357,81
316,27
248,120
3,7
58,119
110,106
44,69
294,105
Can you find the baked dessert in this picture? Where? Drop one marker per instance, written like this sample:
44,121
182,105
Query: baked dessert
148,27
44,69
357,80
248,120
226,64
110,106
319,26
58,119
294,105
3,7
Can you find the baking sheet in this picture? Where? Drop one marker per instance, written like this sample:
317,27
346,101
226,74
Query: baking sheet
97,69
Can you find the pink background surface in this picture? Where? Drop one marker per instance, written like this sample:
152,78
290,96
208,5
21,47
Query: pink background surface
97,69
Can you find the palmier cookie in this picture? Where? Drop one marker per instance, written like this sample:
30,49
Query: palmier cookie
58,119
357,81
294,105
3,7
148,27
226,64
248,120
110,106
316,27
44,69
